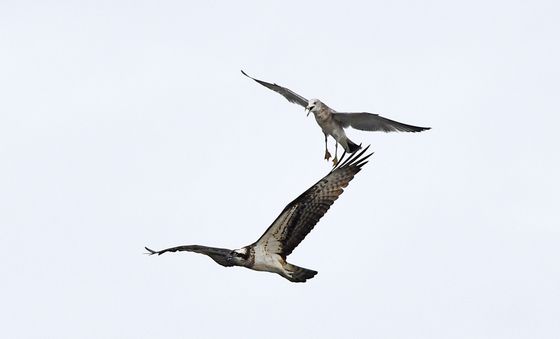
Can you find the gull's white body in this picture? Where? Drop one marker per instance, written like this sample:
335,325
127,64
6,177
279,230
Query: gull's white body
324,117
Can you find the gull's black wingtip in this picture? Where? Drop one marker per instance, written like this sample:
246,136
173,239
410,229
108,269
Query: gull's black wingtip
245,74
422,129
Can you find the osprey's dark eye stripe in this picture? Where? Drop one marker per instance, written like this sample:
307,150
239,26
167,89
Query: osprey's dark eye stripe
240,255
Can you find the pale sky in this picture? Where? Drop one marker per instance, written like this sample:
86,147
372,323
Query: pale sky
126,124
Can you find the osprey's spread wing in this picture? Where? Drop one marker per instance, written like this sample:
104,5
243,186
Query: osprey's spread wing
301,215
374,122
219,255
287,93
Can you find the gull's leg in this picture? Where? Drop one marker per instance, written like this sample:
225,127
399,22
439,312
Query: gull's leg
327,154
335,160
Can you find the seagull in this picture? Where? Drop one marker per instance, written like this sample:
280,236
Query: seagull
333,123
298,218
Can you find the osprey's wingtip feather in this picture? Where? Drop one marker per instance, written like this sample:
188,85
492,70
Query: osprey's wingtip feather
152,252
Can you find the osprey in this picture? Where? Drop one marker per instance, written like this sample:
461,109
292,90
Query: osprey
297,219
333,123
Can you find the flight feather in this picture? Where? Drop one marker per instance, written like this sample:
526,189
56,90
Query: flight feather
300,216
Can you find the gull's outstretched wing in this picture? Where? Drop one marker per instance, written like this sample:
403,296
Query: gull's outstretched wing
286,93
374,122
219,255
301,215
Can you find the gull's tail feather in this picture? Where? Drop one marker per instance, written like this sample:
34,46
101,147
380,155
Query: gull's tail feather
352,147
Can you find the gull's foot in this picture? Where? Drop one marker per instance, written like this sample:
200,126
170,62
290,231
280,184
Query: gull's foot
335,161
327,155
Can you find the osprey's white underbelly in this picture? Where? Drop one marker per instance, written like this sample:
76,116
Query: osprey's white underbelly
269,262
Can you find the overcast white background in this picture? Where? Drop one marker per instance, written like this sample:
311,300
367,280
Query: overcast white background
126,124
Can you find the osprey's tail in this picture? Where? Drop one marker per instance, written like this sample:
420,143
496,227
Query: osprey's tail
298,274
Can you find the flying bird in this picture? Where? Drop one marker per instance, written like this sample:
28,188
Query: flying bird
293,224
333,123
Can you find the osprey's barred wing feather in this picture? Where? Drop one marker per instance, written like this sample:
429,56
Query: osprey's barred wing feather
374,122
219,255
290,95
301,215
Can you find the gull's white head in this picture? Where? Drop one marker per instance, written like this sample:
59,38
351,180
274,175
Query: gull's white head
314,105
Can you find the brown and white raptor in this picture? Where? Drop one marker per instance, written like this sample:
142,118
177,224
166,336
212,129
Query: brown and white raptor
293,224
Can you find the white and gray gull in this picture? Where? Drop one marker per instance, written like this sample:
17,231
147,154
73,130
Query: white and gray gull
333,123
293,224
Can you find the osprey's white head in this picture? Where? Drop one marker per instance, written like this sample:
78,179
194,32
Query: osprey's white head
314,105
240,256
